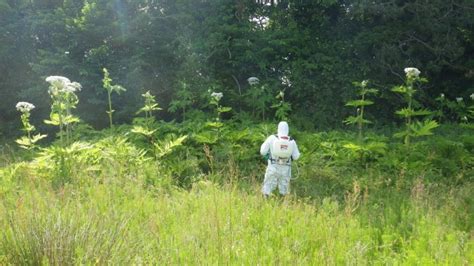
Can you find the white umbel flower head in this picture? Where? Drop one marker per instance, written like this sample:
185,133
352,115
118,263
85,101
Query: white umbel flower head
58,81
217,95
459,99
442,95
472,96
412,72
72,87
253,81
24,107
364,83
63,84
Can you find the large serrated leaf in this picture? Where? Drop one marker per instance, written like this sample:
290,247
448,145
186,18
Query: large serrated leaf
357,103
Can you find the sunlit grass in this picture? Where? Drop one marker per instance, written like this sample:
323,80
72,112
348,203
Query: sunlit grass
124,223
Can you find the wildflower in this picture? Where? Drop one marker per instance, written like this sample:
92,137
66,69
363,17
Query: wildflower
61,84
217,95
58,81
364,83
285,81
147,94
464,118
74,86
412,72
472,96
441,95
24,107
459,99
253,81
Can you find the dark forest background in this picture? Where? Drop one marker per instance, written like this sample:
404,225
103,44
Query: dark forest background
182,49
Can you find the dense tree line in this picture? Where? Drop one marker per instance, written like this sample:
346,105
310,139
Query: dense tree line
182,49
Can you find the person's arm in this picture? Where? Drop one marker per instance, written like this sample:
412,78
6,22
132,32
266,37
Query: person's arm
265,148
296,153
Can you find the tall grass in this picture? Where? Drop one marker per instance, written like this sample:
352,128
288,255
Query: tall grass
110,202
124,223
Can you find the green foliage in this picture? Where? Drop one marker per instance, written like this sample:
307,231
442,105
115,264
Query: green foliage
183,101
29,141
64,99
367,150
413,129
123,190
104,197
150,105
107,84
258,97
283,108
168,145
360,105
225,43
122,223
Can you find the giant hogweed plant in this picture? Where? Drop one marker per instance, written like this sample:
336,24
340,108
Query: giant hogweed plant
212,132
64,100
183,101
469,117
150,106
258,97
362,148
282,107
144,125
165,146
29,140
413,127
107,83
360,104
215,102
458,109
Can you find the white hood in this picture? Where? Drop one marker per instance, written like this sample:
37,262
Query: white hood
283,129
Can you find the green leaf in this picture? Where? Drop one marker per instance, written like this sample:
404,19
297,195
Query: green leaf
368,91
117,88
404,90
358,103
424,128
38,137
422,112
224,109
377,147
143,131
408,112
405,112
214,124
69,119
353,147
167,146
54,120
356,119
206,137
351,120
24,142
401,134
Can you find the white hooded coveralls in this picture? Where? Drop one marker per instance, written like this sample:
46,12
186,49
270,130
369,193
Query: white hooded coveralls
278,175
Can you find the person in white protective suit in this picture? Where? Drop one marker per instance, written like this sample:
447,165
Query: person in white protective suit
281,151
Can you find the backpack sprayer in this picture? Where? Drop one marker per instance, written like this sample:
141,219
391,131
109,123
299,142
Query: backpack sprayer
282,149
